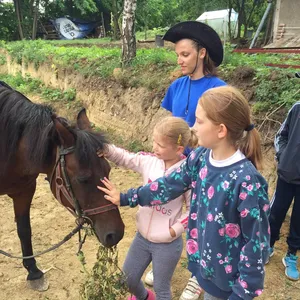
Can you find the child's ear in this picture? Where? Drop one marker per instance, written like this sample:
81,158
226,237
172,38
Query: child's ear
222,131
180,150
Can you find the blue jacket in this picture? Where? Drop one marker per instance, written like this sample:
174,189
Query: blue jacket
287,147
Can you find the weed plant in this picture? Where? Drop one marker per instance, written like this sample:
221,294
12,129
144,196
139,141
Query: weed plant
105,281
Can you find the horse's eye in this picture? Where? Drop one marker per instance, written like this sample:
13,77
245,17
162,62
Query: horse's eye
84,180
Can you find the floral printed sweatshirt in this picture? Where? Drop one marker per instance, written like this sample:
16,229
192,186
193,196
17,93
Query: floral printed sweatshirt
153,223
228,229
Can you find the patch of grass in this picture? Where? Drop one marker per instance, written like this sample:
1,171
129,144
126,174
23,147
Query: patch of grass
58,95
2,59
105,280
151,68
83,42
29,85
274,88
184,263
25,84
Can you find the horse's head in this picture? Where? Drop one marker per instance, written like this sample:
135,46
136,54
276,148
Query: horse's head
76,175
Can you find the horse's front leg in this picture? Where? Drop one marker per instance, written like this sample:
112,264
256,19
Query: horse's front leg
22,202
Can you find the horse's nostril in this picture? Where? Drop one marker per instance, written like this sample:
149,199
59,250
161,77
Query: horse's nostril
110,239
113,238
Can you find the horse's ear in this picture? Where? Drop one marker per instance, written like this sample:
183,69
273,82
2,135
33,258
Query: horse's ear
83,121
65,136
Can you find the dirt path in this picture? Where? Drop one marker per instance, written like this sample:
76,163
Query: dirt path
51,222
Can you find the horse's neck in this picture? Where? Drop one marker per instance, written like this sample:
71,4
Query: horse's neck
49,166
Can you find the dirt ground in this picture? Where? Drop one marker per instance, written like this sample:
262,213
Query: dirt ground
51,222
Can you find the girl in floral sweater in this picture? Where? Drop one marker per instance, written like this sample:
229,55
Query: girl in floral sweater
228,229
160,228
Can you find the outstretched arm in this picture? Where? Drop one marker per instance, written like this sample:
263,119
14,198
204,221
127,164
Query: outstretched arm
134,161
159,191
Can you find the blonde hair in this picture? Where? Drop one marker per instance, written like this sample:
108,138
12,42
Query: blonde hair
177,131
226,105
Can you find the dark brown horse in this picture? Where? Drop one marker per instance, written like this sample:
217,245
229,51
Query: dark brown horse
34,140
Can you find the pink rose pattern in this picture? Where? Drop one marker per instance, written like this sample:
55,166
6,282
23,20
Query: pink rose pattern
229,233
194,233
220,235
232,230
153,186
191,246
210,192
203,173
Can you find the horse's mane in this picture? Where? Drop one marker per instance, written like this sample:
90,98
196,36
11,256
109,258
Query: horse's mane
87,145
22,119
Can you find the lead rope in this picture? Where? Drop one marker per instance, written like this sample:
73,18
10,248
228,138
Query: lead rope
65,239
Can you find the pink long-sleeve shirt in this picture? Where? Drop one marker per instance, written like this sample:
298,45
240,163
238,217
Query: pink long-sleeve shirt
153,222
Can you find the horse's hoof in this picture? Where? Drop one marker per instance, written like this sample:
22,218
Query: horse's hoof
40,285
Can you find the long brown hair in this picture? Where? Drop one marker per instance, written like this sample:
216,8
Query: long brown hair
209,68
226,105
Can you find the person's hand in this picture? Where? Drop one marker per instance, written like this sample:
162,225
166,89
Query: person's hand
102,153
112,194
172,232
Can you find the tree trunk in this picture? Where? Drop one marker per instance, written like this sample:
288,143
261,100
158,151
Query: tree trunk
241,18
35,19
247,21
229,19
19,18
128,32
115,17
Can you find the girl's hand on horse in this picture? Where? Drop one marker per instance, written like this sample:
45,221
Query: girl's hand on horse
112,194
103,152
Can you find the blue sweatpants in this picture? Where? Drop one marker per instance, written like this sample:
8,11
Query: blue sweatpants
164,257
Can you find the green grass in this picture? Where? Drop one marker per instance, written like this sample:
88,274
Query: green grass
151,68
29,85
2,59
83,42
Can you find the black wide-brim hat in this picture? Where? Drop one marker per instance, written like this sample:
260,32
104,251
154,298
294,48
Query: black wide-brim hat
201,33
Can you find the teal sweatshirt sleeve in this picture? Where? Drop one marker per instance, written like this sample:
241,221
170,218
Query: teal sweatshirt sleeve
165,188
254,212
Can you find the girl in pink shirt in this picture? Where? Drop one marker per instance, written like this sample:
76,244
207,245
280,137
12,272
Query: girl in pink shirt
159,228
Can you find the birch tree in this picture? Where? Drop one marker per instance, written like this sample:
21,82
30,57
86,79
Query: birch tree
128,32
